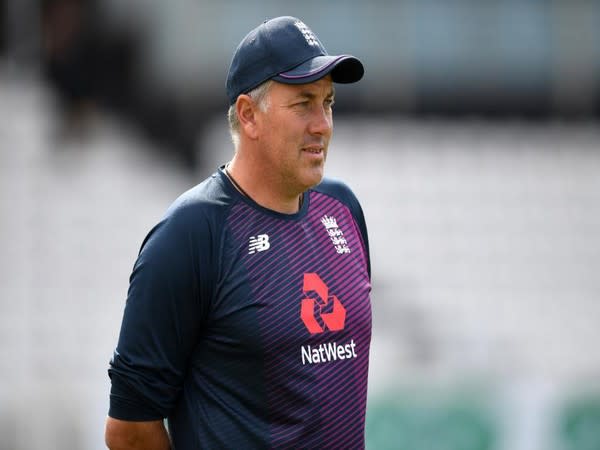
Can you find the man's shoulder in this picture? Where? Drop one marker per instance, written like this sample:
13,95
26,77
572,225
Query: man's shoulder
337,189
208,200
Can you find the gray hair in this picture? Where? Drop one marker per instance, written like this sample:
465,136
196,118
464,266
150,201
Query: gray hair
259,96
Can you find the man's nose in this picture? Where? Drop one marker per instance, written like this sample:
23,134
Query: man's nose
321,121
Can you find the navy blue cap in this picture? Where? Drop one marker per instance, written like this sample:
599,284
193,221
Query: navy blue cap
286,50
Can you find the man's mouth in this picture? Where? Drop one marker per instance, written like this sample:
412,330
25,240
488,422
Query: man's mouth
313,150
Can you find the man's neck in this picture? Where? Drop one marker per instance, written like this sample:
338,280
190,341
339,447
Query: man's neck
255,185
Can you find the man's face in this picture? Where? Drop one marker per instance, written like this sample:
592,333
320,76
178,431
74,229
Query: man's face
294,133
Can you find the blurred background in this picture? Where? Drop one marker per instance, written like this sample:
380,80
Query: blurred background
477,137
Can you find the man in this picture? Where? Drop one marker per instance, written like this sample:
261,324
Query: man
248,319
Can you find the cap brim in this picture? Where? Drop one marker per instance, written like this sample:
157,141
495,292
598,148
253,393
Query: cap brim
343,69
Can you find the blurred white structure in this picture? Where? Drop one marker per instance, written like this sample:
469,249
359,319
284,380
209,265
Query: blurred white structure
500,55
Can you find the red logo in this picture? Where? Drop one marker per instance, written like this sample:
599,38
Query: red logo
333,320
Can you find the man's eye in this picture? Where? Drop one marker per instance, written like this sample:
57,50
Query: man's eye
329,102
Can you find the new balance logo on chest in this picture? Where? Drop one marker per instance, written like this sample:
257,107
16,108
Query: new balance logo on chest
258,243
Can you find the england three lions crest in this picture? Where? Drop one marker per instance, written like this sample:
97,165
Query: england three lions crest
336,235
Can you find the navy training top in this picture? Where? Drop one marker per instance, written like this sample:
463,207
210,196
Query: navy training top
249,328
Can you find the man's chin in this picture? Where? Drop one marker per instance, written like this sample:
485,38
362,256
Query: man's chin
313,178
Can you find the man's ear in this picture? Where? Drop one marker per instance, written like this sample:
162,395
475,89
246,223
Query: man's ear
246,111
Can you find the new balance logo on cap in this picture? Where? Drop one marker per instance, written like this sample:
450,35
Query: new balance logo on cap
311,39
259,243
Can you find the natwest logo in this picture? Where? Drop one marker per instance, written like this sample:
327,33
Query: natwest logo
333,320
